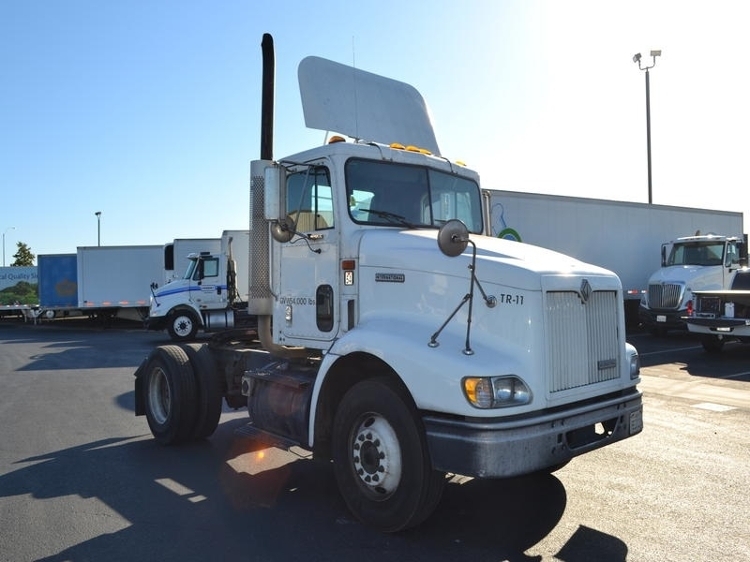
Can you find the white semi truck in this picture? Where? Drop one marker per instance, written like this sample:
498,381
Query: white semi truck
689,264
211,295
396,337
634,232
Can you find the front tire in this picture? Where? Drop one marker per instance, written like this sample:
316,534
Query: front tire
380,457
170,395
712,344
182,325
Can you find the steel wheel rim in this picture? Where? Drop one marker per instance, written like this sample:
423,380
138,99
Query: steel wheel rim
183,325
159,396
376,456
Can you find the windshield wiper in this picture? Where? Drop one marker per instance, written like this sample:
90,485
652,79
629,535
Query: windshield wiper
392,217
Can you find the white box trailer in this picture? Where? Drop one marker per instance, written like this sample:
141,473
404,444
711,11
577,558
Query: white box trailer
621,236
118,277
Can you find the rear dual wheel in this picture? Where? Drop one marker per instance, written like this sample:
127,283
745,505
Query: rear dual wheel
182,393
171,396
209,389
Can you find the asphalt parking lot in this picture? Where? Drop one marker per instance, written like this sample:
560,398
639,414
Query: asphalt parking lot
82,479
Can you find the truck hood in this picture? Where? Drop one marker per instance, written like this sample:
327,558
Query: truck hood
522,265
694,277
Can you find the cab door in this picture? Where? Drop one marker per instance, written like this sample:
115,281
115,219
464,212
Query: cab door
208,287
305,309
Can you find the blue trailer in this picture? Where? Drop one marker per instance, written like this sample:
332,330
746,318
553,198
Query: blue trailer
58,281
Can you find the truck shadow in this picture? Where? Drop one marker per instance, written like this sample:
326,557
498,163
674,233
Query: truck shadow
93,349
226,497
729,364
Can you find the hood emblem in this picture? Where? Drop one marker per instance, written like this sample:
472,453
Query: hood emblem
585,291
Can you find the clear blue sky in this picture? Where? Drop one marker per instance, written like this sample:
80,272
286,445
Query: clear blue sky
149,111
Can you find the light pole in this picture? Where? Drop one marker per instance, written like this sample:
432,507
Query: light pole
4,232
637,58
98,228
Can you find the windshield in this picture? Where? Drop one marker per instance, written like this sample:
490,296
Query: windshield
697,253
190,268
386,193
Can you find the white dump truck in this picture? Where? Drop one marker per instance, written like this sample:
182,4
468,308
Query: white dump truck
720,316
689,264
396,337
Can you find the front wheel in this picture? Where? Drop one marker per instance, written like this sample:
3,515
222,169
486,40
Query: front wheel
380,457
712,344
182,325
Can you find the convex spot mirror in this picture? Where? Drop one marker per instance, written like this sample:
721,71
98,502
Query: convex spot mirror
453,237
283,230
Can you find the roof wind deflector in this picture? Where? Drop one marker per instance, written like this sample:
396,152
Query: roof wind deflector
362,105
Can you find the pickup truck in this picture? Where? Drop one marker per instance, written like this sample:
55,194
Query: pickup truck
721,316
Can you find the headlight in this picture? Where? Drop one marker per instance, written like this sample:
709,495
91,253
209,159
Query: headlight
496,392
635,361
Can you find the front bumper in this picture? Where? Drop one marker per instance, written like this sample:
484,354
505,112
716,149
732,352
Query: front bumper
156,323
667,319
500,448
739,327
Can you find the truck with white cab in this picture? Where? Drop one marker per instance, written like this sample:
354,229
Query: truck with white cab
211,295
689,264
396,338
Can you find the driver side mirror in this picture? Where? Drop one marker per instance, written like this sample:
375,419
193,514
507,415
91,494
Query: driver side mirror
274,177
274,204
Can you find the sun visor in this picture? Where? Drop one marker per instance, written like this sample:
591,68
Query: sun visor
362,105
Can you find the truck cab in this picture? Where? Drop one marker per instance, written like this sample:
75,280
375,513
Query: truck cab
210,295
395,338
691,263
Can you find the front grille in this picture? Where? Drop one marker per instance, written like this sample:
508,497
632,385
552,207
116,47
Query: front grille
583,346
664,296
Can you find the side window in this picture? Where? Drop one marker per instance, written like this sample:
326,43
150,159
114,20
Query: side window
309,199
732,254
206,268
211,268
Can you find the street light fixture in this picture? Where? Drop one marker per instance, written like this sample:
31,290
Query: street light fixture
637,59
98,228
6,230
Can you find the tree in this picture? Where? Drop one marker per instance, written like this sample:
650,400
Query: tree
23,256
